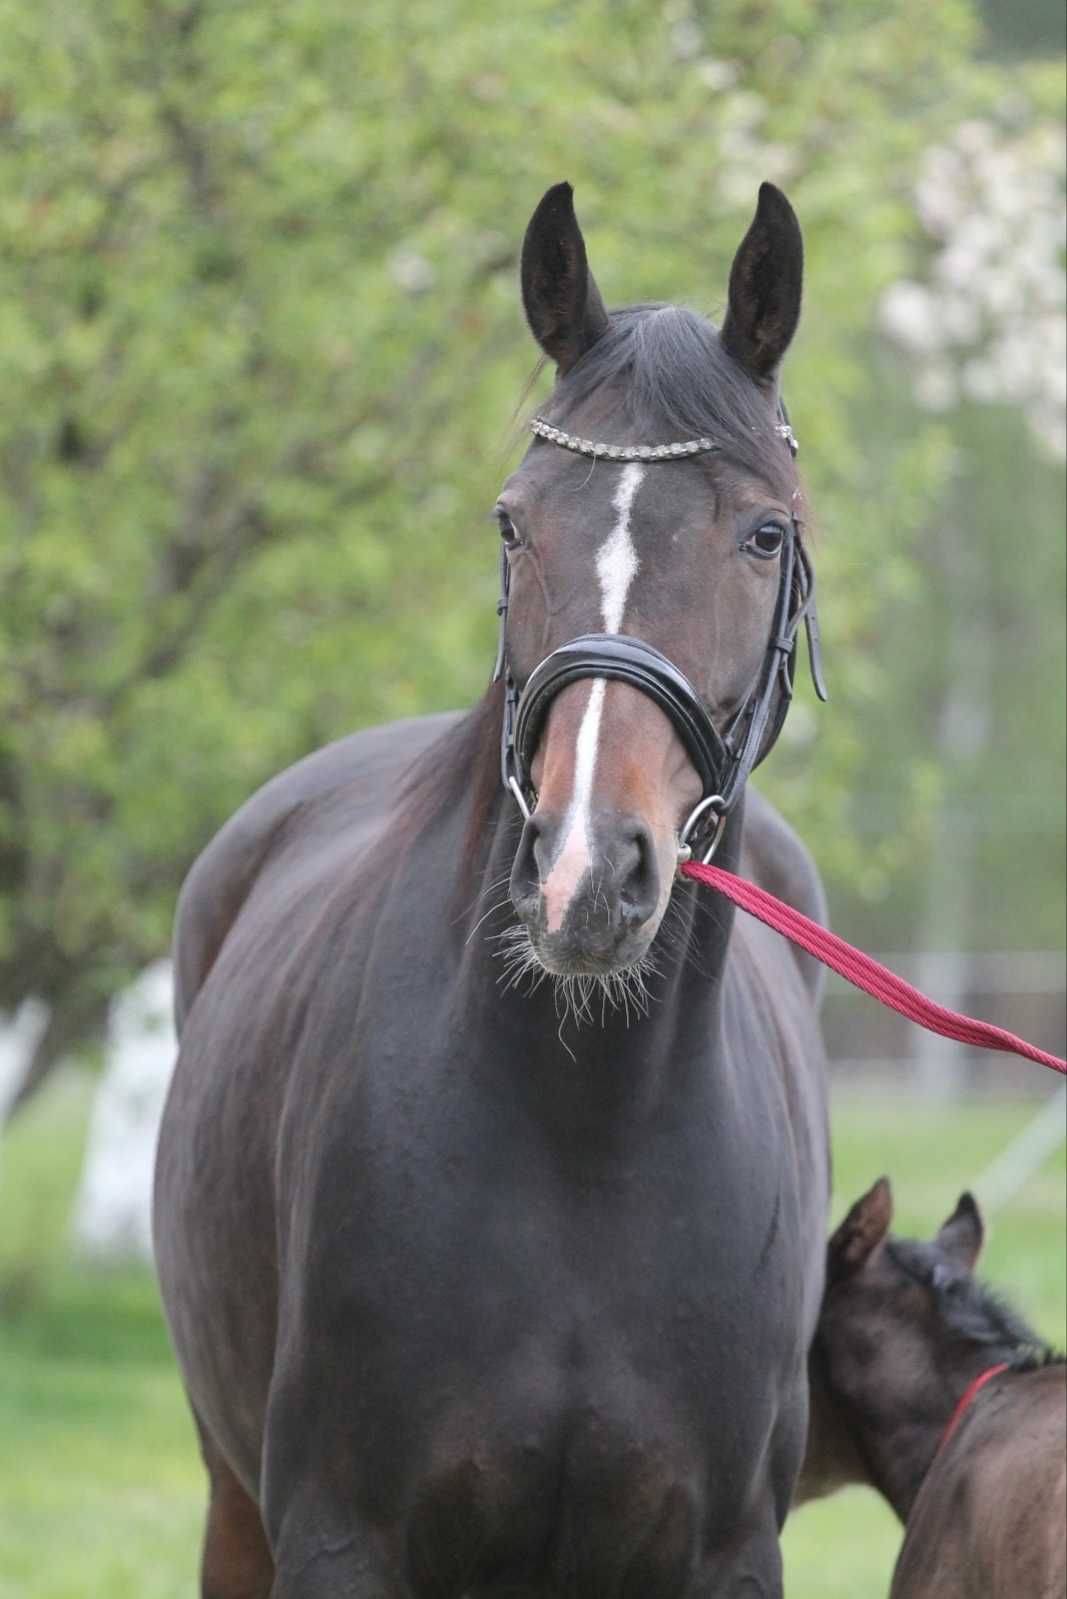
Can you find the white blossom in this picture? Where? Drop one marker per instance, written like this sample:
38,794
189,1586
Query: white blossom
909,314
988,321
685,39
113,1208
717,75
935,387
411,271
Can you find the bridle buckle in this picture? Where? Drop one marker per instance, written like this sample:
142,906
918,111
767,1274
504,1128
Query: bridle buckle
711,802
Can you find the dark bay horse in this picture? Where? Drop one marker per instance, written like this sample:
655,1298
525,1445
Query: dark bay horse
933,1391
484,1288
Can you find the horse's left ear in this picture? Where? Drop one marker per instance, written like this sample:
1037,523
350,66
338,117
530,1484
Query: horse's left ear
963,1234
561,300
765,284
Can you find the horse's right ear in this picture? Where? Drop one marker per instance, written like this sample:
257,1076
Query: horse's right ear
561,300
862,1230
963,1234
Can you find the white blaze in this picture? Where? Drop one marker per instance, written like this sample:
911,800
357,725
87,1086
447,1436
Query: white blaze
616,562
616,566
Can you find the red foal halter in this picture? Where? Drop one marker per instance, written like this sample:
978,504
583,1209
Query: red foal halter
966,1399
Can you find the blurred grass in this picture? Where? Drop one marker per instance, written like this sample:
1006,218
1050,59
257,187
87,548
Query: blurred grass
101,1491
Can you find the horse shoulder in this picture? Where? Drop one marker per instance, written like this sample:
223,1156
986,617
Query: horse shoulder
351,781
773,856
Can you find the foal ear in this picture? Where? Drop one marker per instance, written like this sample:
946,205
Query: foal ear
963,1234
862,1230
561,301
765,282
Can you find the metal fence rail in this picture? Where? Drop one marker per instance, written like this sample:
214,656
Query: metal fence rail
1024,990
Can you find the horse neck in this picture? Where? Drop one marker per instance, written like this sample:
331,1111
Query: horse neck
627,1062
897,1455
832,1458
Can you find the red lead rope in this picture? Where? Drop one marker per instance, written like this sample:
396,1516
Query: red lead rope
865,973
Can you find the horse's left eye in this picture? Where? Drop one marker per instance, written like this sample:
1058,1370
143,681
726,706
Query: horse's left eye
766,542
508,531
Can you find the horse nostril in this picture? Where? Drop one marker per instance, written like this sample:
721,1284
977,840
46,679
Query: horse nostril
543,843
526,871
637,877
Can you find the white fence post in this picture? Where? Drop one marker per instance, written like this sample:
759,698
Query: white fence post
19,1036
113,1208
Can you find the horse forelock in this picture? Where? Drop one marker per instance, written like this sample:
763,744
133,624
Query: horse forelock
672,379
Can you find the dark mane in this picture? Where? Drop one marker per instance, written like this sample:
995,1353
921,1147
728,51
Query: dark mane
970,1309
459,768
674,381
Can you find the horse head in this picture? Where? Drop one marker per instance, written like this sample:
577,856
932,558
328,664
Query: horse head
653,580
905,1327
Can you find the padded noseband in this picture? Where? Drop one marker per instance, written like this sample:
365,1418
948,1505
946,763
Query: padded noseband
627,660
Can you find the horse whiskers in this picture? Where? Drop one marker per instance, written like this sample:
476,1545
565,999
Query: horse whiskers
484,890
626,990
575,993
501,904
515,942
679,939
518,955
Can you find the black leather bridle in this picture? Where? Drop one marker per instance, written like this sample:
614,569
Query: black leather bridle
722,760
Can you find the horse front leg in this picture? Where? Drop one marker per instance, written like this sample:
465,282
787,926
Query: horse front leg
750,1565
236,1561
751,1570
338,1570
323,1549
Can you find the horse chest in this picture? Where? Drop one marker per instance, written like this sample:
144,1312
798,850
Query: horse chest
548,1385
554,1496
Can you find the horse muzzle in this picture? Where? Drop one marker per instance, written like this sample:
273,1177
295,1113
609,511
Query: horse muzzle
588,890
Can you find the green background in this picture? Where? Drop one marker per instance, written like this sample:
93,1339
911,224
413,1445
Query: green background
262,349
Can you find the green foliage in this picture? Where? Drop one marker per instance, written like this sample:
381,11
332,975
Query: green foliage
261,341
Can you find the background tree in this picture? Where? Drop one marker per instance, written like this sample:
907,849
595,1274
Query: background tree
261,337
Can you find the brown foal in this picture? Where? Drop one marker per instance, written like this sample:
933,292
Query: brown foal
927,1387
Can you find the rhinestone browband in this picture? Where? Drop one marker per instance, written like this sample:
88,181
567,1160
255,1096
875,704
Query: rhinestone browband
638,452
618,452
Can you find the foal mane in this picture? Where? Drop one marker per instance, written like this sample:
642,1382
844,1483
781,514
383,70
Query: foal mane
973,1311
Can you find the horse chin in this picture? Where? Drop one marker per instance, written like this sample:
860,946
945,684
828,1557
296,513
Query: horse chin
569,957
